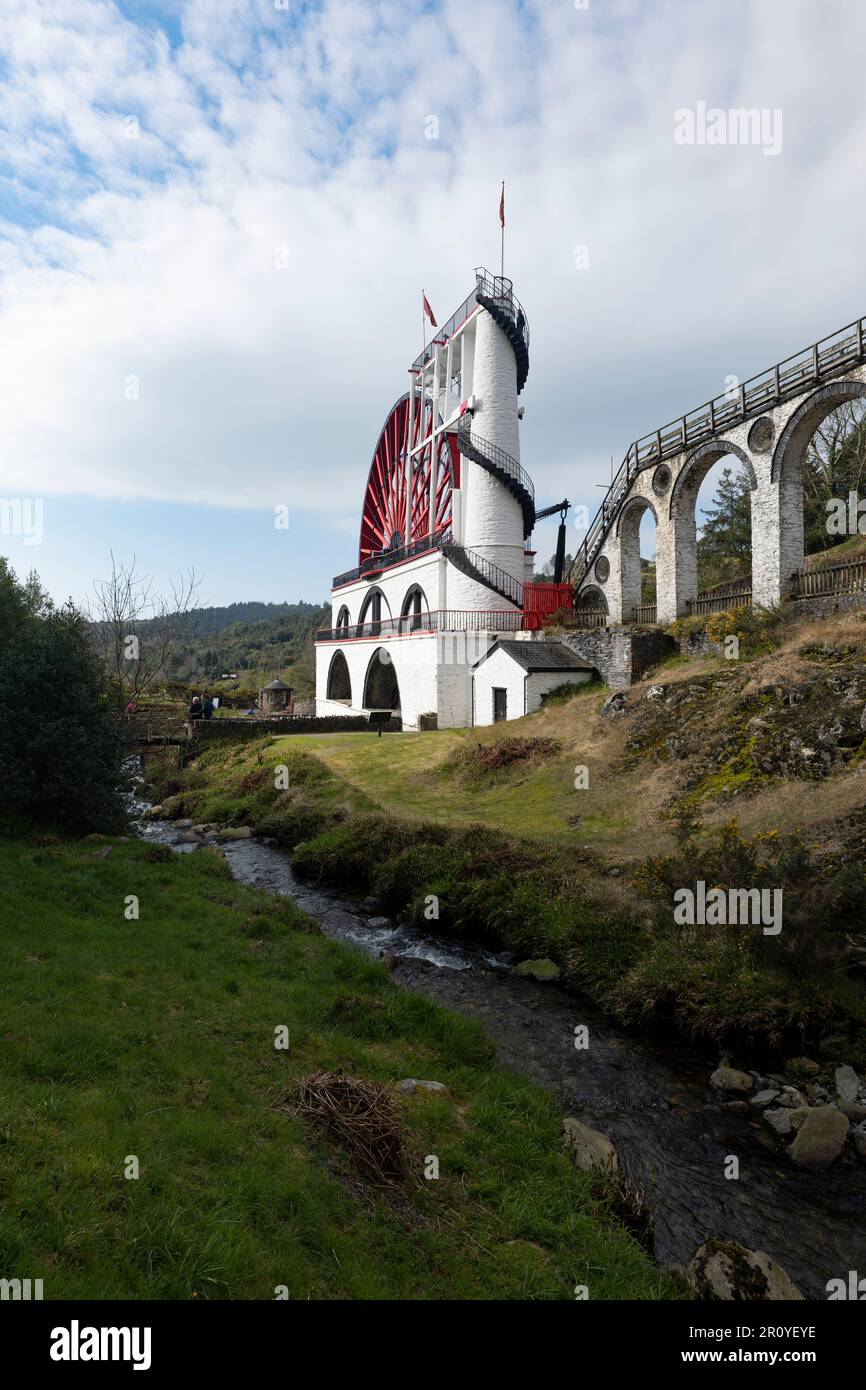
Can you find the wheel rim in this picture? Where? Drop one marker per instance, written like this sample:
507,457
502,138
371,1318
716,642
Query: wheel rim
383,519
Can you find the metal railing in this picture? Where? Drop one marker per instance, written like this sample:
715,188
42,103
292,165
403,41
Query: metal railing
847,578
824,359
489,455
494,287
440,620
384,559
485,570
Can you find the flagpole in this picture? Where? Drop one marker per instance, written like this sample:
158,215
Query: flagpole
502,243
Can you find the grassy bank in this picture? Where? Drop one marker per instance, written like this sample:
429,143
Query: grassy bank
489,823
154,1038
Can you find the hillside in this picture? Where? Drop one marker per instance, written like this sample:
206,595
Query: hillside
775,744
258,641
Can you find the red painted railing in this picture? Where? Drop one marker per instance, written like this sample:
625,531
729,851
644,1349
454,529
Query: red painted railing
541,599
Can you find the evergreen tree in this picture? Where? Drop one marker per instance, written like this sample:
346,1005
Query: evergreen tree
61,746
725,544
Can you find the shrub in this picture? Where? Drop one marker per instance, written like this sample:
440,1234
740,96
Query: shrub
477,762
61,747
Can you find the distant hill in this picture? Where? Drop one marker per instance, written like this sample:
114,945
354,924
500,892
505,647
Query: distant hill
256,640
204,622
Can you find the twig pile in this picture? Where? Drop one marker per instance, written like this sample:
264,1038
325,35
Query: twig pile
360,1114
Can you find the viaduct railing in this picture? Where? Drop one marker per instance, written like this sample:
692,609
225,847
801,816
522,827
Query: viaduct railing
822,361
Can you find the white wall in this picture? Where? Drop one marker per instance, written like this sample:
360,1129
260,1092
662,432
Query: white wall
524,689
414,661
499,670
394,584
492,518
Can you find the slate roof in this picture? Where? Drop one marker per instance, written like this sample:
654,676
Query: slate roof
539,656
276,685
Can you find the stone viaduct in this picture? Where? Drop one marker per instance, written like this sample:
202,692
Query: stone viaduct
767,423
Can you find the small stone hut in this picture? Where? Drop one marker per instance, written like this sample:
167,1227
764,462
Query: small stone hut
276,698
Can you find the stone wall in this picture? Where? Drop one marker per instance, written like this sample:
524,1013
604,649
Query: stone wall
209,730
823,605
619,654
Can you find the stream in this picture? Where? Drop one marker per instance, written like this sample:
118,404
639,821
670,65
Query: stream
652,1098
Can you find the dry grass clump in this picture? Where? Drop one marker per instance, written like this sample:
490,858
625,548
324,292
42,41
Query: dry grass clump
628,1201
360,1115
482,760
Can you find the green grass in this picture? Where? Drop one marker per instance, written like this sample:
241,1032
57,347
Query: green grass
155,1038
614,939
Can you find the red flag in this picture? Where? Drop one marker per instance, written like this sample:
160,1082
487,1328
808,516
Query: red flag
502,206
429,312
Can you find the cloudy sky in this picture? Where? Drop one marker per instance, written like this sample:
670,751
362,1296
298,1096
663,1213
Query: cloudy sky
216,217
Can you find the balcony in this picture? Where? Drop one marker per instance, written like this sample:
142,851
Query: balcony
420,624
386,559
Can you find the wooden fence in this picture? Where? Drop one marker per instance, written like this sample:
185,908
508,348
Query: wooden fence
847,578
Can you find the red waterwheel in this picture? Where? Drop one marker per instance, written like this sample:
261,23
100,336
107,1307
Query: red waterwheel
383,519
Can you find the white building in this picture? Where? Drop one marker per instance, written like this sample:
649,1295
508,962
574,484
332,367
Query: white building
443,567
512,677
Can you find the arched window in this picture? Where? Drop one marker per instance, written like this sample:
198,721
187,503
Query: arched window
414,607
342,619
339,685
372,611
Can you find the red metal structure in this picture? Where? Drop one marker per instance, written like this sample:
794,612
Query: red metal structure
383,518
541,600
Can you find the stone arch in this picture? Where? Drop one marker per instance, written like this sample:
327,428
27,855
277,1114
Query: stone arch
381,688
591,596
637,503
628,533
339,685
785,530
683,508
698,464
790,449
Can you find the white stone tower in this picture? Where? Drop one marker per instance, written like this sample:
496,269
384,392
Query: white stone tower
447,510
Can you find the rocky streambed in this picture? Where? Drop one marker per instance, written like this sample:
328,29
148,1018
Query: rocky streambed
711,1161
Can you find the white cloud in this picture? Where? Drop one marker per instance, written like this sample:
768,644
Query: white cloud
154,257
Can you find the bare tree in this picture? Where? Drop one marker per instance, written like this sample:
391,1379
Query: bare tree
835,464
137,630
